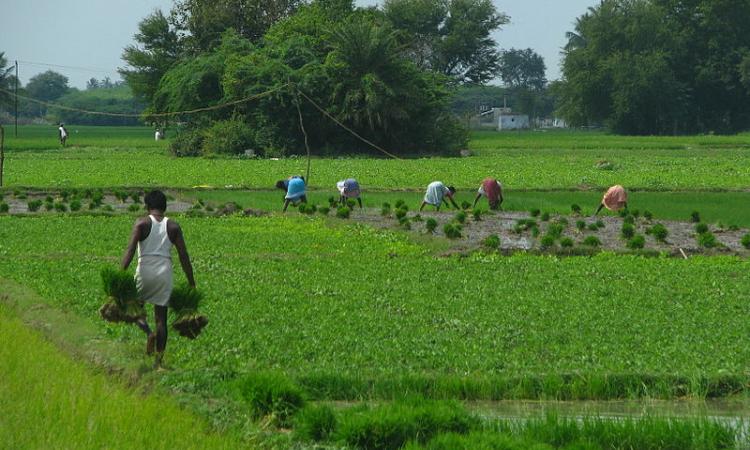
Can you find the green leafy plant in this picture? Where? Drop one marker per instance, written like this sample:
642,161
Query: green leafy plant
628,219
460,217
628,231
271,395
477,214
452,230
707,240
566,242
343,212
386,209
534,212
636,242
695,217
465,205
184,302
593,226
544,217
60,207
491,242
324,210
400,213
575,208
34,205
592,241
315,423
351,203
399,204
659,232
122,303
4,207
701,228
134,208
430,225
746,241
581,225
75,205
555,230
648,215
547,241
600,223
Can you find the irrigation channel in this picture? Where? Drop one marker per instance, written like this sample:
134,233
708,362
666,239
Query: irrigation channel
732,411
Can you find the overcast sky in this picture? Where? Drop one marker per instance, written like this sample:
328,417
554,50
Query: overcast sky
88,36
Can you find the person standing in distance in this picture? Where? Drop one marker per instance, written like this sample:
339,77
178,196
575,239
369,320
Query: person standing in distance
153,237
62,133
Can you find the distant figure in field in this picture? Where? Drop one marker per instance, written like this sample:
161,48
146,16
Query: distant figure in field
159,135
349,188
436,194
295,190
62,133
493,190
153,237
614,199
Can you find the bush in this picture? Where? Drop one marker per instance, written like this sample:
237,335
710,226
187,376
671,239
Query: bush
386,209
701,228
491,242
4,207
746,241
391,426
452,230
228,137
430,225
628,230
75,205
695,217
315,423
566,242
638,241
581,225
659,232
575,208
324,210
34,205
547,241
707,240
270,394
534,212
592,241
343,212
544,217
188,142
648,215
460,217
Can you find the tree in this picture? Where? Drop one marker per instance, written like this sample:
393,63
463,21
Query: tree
47,86
6,81
204,21
93,83
523,69
159,49
451,37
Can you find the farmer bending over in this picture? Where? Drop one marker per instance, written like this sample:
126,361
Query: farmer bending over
153,236
295,191
614,199
493,190
436,194
349,188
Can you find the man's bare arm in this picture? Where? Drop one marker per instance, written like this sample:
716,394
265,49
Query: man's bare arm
135,236
187,267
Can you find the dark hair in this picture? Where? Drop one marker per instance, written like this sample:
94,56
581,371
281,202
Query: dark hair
280,184
156,200
452,189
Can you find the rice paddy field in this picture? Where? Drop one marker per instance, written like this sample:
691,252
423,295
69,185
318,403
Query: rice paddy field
343,334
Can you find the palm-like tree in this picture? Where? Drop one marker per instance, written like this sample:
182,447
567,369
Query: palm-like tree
6,79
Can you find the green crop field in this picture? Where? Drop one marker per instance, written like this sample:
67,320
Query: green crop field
366,338
550,161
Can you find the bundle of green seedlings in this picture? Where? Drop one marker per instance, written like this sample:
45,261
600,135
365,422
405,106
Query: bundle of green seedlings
122,303
184,302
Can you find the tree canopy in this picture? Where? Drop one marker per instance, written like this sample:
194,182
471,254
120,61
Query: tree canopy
659,66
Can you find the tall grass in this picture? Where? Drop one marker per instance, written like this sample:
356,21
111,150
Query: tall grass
49,401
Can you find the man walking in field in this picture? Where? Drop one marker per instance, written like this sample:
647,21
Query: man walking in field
493,190
436,194
62,133
153,237
349,188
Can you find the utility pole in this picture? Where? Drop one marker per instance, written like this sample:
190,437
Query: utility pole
15,94
2,153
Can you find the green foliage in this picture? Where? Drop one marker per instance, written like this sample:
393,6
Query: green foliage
648,215
34,205
401,213
628,230
476,213
534,212
307,208
566,242
746,241
581,225
392,425
231,137
628,219
600,223
60,207
636,242
545,217
555,230
324,210
695,217
465,205
400,204
315,423
491,242
185,300
592,241
430,225
452,230
593,226
131,208
343,212
575,208
659,232
117,99
271,394
701,228
47,86
4,207
386,209
118,284
547,241
460,217
707,240
75,205
351,203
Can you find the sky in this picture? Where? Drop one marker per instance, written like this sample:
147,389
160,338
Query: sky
87,37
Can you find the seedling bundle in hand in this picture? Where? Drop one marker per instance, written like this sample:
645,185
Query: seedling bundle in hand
184,302
122,297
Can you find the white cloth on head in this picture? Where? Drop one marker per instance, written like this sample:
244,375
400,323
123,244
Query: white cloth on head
435,193
153,276
63,133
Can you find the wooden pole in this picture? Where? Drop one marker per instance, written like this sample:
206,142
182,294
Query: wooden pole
2,153
15,94
302,126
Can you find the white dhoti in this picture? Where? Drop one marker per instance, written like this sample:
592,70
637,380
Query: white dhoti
153,278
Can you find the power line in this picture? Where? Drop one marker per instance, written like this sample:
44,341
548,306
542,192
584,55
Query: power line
83,69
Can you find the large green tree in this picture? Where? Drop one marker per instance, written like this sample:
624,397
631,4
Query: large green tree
451,37
6,81
158,49
659,66
47,86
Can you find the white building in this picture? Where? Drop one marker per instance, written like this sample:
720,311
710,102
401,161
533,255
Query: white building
512,122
